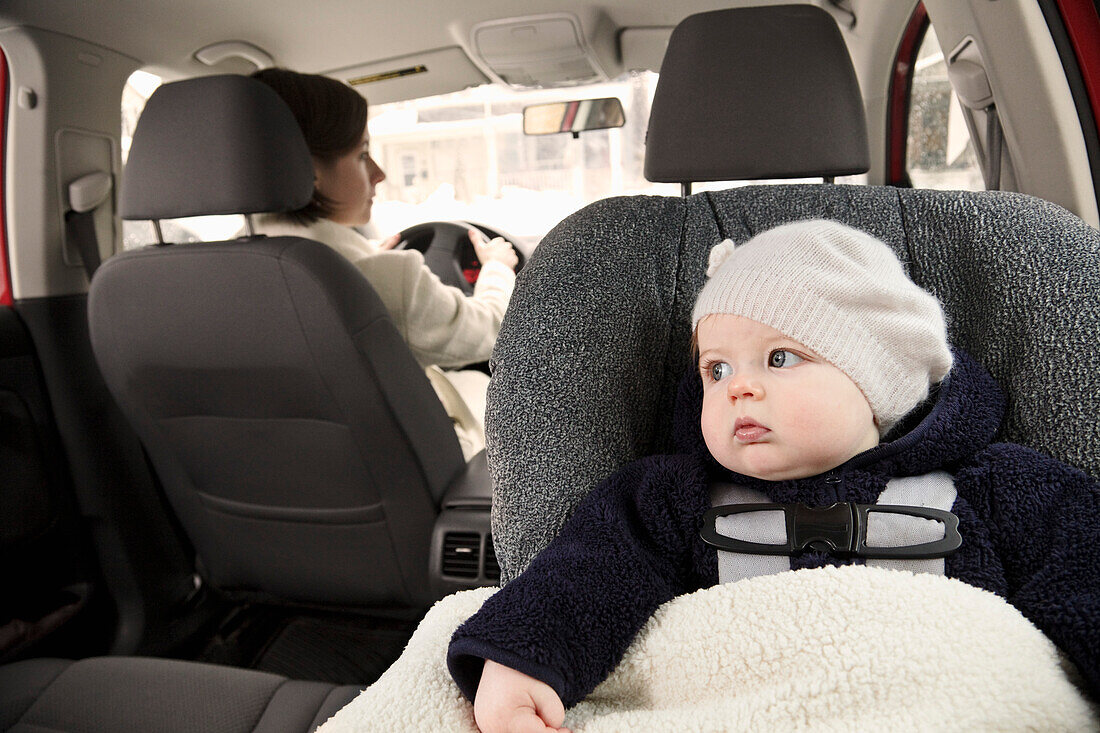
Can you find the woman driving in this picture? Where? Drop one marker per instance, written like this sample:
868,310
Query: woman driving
444,328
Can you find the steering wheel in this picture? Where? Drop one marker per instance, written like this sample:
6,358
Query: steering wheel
448,251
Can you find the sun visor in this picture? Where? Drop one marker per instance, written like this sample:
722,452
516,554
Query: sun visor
417,75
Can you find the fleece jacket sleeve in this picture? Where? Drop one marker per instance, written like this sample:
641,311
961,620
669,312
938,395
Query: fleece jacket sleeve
1045,523
631,545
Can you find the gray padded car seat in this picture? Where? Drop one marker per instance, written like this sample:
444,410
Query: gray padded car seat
584,377
107,694
298,442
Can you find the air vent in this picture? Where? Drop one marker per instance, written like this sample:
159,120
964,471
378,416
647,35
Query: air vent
492,569
461,554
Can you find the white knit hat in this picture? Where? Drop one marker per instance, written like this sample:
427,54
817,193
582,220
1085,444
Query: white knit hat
844,294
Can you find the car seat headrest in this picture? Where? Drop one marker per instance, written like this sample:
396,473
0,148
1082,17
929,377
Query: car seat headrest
215,145
756,93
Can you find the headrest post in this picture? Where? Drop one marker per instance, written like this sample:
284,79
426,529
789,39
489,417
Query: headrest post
828,179
248,225
685,188
156,228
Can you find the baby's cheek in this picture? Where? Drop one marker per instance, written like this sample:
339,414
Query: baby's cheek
710,437
717,439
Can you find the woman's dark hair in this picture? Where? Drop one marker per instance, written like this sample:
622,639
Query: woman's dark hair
332,116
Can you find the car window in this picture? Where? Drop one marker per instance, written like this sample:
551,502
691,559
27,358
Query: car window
939,153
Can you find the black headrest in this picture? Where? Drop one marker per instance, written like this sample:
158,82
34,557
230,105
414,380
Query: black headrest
215,145
755,93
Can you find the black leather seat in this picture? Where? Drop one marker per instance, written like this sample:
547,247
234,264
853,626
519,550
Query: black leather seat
298,441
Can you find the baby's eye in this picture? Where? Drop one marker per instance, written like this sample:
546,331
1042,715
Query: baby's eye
782,358
719,370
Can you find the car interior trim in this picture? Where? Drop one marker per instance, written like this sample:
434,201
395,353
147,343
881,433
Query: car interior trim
901,84
367,514
5,270
1079,49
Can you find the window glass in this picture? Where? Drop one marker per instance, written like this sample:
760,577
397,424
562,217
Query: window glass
938,150
135,94
464,156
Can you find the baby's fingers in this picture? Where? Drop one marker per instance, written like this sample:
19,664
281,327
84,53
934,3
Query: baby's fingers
527,720
549,708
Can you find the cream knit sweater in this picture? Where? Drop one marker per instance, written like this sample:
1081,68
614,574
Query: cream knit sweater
442,326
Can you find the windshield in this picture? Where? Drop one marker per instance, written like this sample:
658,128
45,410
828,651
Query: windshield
465,156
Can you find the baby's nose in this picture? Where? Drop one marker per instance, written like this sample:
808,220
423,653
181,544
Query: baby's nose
744,386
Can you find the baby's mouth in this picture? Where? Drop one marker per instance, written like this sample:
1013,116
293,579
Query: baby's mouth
747,430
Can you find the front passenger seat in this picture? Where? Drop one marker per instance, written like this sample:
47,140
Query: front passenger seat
298,441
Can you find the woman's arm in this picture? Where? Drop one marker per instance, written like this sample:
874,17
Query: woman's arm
441,325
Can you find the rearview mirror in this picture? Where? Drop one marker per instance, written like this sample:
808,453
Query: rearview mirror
575,116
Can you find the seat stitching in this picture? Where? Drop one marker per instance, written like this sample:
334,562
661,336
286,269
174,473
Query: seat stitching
717,219
270,699
366,467
910,260
45,687
316,717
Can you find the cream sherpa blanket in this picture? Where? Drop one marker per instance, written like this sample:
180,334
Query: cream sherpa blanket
835,649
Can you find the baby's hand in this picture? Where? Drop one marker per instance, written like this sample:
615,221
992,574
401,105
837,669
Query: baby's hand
508,701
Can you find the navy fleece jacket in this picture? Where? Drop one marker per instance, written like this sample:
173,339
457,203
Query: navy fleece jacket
1030,527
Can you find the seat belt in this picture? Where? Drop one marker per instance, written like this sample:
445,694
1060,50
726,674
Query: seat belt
971,84
911,512
934,490
80,230
86,194
995,141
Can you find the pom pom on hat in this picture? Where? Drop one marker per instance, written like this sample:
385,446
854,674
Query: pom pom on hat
719,254
845,295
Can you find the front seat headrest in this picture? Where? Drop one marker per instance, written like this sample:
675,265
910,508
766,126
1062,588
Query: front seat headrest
215,145
756,93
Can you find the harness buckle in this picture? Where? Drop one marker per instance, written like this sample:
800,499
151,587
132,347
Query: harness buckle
840,530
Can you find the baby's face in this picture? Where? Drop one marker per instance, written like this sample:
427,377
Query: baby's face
772,408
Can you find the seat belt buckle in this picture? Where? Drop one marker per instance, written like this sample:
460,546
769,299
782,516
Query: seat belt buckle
839,530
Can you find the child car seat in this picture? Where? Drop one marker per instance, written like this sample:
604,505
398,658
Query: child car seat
584,377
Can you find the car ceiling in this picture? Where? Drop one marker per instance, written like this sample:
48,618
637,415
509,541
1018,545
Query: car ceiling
163,35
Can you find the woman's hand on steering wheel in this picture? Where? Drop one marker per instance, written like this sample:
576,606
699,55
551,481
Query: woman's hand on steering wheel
390,242
454,254
497,249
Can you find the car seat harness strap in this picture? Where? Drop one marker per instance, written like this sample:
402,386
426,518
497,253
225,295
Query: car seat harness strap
911,527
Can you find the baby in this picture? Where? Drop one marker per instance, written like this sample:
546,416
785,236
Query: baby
816,359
